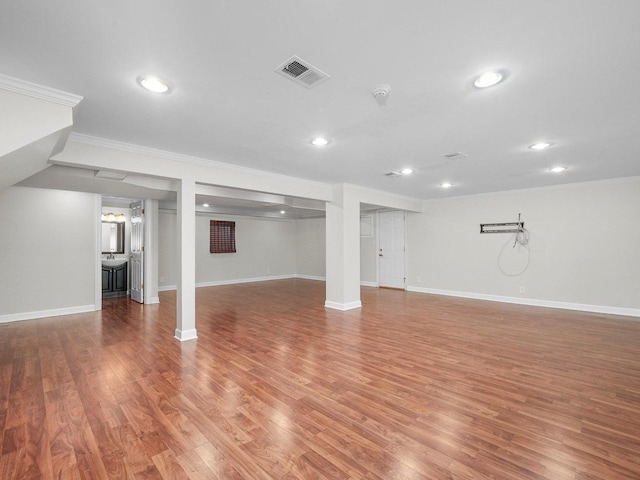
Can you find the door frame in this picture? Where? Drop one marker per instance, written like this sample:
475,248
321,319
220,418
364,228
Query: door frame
98,245
404,257
140,227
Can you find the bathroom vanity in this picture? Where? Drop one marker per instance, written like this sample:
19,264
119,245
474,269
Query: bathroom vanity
114,278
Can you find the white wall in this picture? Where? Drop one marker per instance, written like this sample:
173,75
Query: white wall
48,249
167,250
311,247
265,248
308,239
585,246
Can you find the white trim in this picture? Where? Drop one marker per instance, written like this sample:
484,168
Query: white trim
592,183
582,307
342,306
178,157
153,300
217,283
185,335
267,216
397,196
39,91
312,277
17,317
243,280
98,247
378,248
234,281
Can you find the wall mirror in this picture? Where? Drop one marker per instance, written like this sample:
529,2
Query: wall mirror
112,237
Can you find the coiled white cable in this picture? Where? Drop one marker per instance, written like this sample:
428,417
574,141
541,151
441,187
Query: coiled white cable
521,236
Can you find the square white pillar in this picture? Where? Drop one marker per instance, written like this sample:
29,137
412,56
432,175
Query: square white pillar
343,251
186,235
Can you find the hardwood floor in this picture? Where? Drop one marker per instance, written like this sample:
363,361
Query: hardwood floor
411,386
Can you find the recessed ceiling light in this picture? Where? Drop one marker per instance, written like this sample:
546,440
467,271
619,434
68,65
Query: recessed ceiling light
406,171
205,205
446,185
557,169
540,145
488,79
320,141
282,212
153,84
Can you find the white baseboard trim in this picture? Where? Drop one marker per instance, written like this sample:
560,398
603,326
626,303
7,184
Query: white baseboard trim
184,335
16,317
369,284
243,280
342,306
235,281
312,277
582,307
152,301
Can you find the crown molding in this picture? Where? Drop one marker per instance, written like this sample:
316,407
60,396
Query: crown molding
179,157
397,196
546,188
39,91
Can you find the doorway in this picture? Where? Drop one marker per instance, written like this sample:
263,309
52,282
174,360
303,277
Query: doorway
391,249
121,269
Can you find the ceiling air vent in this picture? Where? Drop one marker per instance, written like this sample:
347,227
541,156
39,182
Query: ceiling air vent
455,155
302,72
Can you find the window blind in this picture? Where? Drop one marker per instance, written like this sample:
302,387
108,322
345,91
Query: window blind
222,236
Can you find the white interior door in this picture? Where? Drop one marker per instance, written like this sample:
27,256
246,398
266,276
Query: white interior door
391,249
136,264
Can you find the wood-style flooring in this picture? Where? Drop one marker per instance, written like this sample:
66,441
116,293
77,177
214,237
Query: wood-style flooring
276,387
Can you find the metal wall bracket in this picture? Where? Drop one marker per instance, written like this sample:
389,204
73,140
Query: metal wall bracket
510,227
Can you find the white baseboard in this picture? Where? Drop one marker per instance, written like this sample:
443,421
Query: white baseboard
152,301
369,284
243,280
16,317
235,281
312,277
184,335
342,306
582,307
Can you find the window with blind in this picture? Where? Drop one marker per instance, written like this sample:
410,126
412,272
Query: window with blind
222,236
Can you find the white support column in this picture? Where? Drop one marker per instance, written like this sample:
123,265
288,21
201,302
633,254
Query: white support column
343,251
186,235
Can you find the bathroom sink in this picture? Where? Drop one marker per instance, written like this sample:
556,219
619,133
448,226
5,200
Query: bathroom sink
116,262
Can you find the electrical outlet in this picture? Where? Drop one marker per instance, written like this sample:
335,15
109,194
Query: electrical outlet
522,289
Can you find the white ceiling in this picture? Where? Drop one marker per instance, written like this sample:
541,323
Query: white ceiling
573,79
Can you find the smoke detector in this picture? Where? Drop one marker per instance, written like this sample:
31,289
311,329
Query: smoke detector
381,93
301,72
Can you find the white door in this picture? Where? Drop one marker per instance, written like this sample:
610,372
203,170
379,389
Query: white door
391,249
137,252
